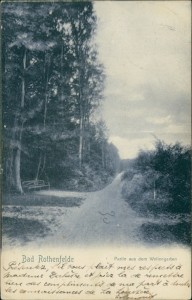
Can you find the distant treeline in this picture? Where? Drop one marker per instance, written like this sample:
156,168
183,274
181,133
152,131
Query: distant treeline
52,88
159,180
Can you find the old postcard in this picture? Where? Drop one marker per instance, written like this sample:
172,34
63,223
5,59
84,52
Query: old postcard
96,150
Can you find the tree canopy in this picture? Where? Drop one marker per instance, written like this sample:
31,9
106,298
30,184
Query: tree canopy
52,86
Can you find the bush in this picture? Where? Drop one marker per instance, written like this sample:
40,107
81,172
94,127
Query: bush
160,180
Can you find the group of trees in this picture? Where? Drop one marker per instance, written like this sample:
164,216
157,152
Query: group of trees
159,180
52,87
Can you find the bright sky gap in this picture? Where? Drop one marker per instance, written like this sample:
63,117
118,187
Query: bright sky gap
145,48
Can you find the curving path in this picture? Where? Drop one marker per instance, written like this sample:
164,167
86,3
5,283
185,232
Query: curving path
103,218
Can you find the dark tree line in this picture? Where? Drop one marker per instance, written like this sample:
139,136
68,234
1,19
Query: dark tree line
52,86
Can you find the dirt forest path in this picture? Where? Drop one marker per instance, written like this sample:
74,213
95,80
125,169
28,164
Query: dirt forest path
68,218
103,218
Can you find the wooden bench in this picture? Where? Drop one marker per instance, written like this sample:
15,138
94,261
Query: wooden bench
34,184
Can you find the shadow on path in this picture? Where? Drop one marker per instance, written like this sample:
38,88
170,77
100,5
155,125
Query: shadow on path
23,229
33,199
166,233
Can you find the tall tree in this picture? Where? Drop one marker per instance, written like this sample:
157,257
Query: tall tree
88,72
19,44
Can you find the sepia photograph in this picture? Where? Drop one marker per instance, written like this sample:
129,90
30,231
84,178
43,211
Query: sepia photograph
96,127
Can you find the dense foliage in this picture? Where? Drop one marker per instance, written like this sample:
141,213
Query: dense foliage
52,88
159,180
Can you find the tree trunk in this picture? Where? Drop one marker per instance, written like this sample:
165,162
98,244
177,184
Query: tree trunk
17,164
81,126
81,138
46,74
44,161
103,154
38,168
46,77
45,111
88,146
62,78
17,154
23,79
154,190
